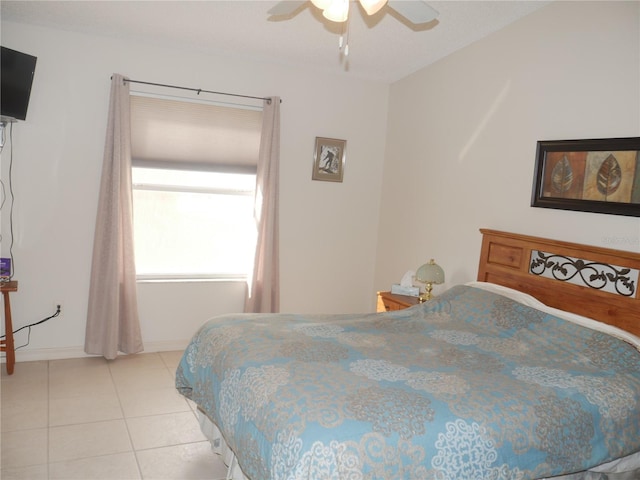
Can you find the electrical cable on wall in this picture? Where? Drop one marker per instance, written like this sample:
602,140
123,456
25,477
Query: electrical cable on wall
33,325
3,126
3,193
11,194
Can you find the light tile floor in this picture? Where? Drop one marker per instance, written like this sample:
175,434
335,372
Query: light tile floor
90,418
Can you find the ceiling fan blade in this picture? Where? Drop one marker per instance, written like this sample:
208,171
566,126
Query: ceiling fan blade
285,7
416,11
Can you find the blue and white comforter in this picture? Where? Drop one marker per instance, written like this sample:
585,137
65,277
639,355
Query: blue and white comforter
471,385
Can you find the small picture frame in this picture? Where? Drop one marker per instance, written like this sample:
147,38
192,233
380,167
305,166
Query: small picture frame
596,175
328,159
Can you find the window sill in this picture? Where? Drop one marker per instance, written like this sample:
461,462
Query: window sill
164,279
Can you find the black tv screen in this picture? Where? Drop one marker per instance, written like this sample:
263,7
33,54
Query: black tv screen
16,78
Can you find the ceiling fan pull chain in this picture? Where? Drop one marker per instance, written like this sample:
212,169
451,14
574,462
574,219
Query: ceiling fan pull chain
343,42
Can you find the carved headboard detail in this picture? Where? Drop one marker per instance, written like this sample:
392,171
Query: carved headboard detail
595,282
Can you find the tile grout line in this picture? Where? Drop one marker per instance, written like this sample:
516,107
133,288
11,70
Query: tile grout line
124,418
48,418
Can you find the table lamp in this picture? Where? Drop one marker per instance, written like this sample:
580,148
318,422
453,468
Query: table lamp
430,274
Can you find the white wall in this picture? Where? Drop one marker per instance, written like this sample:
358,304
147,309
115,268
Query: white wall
328,230
462,136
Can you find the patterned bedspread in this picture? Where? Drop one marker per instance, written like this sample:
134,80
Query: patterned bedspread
471,385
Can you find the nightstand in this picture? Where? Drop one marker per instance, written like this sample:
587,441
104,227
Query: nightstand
388,301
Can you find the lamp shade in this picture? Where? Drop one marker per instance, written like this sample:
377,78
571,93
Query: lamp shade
430,273
337,11
321,4
372,6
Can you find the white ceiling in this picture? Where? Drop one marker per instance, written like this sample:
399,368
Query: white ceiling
381,47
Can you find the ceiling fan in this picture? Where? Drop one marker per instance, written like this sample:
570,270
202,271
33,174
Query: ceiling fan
415,11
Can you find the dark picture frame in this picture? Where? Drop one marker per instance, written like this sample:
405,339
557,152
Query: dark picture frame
598,175
328,159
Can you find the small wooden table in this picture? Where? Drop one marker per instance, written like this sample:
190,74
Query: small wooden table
7,344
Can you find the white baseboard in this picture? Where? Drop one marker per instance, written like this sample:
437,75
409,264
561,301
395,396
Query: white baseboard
78,352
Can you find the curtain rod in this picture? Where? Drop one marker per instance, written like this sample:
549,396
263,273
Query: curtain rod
198,90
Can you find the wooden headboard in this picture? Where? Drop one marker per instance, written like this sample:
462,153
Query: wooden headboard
595,282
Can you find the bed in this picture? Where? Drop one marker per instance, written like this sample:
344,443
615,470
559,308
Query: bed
532,371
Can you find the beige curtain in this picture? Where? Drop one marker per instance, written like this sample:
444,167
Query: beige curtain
112,316
263,294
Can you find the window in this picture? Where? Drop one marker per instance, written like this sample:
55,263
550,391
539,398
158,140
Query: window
193,224
193,188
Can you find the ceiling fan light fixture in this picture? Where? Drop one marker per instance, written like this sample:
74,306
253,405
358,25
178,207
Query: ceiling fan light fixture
337,11
321,4
372,6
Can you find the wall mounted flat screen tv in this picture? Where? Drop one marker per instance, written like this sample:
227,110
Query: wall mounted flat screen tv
16,77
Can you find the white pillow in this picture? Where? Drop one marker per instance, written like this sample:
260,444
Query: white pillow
511,293
530,301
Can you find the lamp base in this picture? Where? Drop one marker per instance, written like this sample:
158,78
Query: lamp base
426,296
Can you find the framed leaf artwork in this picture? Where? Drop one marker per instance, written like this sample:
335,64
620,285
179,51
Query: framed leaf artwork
598,175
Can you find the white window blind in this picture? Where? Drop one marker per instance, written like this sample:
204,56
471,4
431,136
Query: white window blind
193,171
193,135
